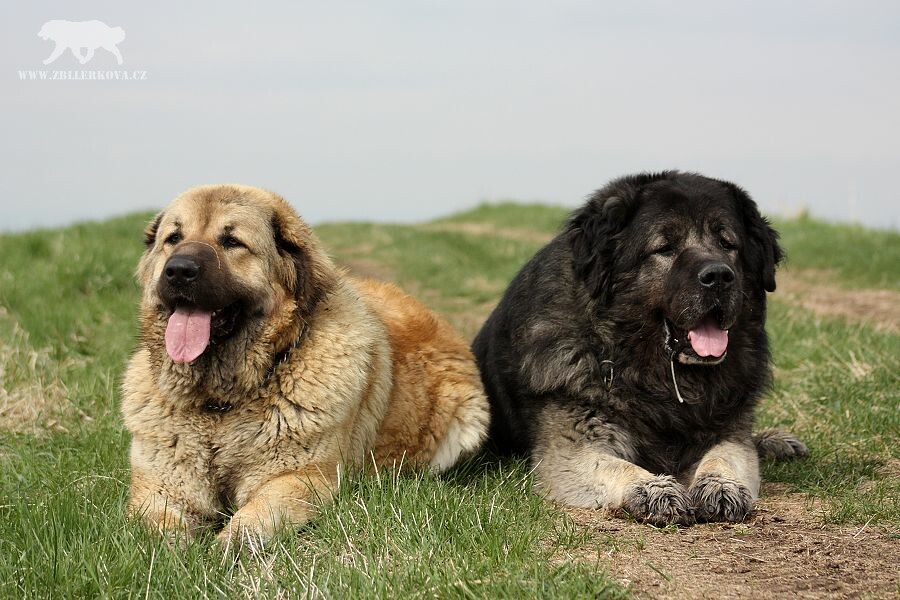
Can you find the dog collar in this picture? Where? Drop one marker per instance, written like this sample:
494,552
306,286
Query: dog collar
607,372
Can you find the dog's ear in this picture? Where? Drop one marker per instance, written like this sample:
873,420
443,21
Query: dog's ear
310,273
763,251
594,231
150,231
145,267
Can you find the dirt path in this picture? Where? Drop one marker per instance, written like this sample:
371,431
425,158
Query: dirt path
783,551
811,290
513,233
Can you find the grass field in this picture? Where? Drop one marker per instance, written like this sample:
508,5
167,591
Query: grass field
67,324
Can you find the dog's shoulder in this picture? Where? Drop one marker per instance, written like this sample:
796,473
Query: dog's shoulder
340,370
542,325
344,329
408,321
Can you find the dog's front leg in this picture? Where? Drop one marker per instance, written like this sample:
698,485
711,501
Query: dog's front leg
150,502
112,48
583,461
57,52
726,481
290,498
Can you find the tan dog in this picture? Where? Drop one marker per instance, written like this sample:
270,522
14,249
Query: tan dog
263,371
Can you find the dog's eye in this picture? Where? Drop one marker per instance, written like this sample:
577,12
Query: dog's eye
174,238
727,245
664,250
229,241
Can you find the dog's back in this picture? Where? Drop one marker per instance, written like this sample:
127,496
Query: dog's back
438,411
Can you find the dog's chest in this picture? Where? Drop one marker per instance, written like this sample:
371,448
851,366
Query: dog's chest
674,451
668,436
244,446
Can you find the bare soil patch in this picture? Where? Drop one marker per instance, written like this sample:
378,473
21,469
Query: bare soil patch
368,269
811,290
782,550
512,233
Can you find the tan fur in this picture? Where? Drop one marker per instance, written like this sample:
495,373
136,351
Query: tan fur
426,350
573,470
733,461
373,372
594,468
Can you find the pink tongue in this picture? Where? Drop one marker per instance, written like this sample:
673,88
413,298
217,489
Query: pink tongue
187,334
708,339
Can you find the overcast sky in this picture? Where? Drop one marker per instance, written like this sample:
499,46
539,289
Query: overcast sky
408,110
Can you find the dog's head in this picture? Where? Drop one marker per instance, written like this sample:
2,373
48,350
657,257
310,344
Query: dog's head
51,30
116,35
229,269
685,253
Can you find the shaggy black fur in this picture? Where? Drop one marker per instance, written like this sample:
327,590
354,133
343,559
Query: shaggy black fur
592,322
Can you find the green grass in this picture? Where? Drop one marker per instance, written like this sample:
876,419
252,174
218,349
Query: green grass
534,217
838,386
457,274
67,325
851,255
477,532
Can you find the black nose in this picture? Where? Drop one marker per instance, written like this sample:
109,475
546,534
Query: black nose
180,270
716,274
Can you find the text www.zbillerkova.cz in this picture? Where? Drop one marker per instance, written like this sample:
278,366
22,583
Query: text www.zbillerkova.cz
83,75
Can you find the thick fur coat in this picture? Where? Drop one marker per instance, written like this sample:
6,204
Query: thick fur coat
626,358
263,371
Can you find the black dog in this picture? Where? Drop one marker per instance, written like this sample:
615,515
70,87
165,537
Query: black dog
627,356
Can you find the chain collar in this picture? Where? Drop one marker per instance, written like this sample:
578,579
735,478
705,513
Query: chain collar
607,372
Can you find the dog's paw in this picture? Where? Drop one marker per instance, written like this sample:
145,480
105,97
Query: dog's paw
242,537
717,498
660,500
777,444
